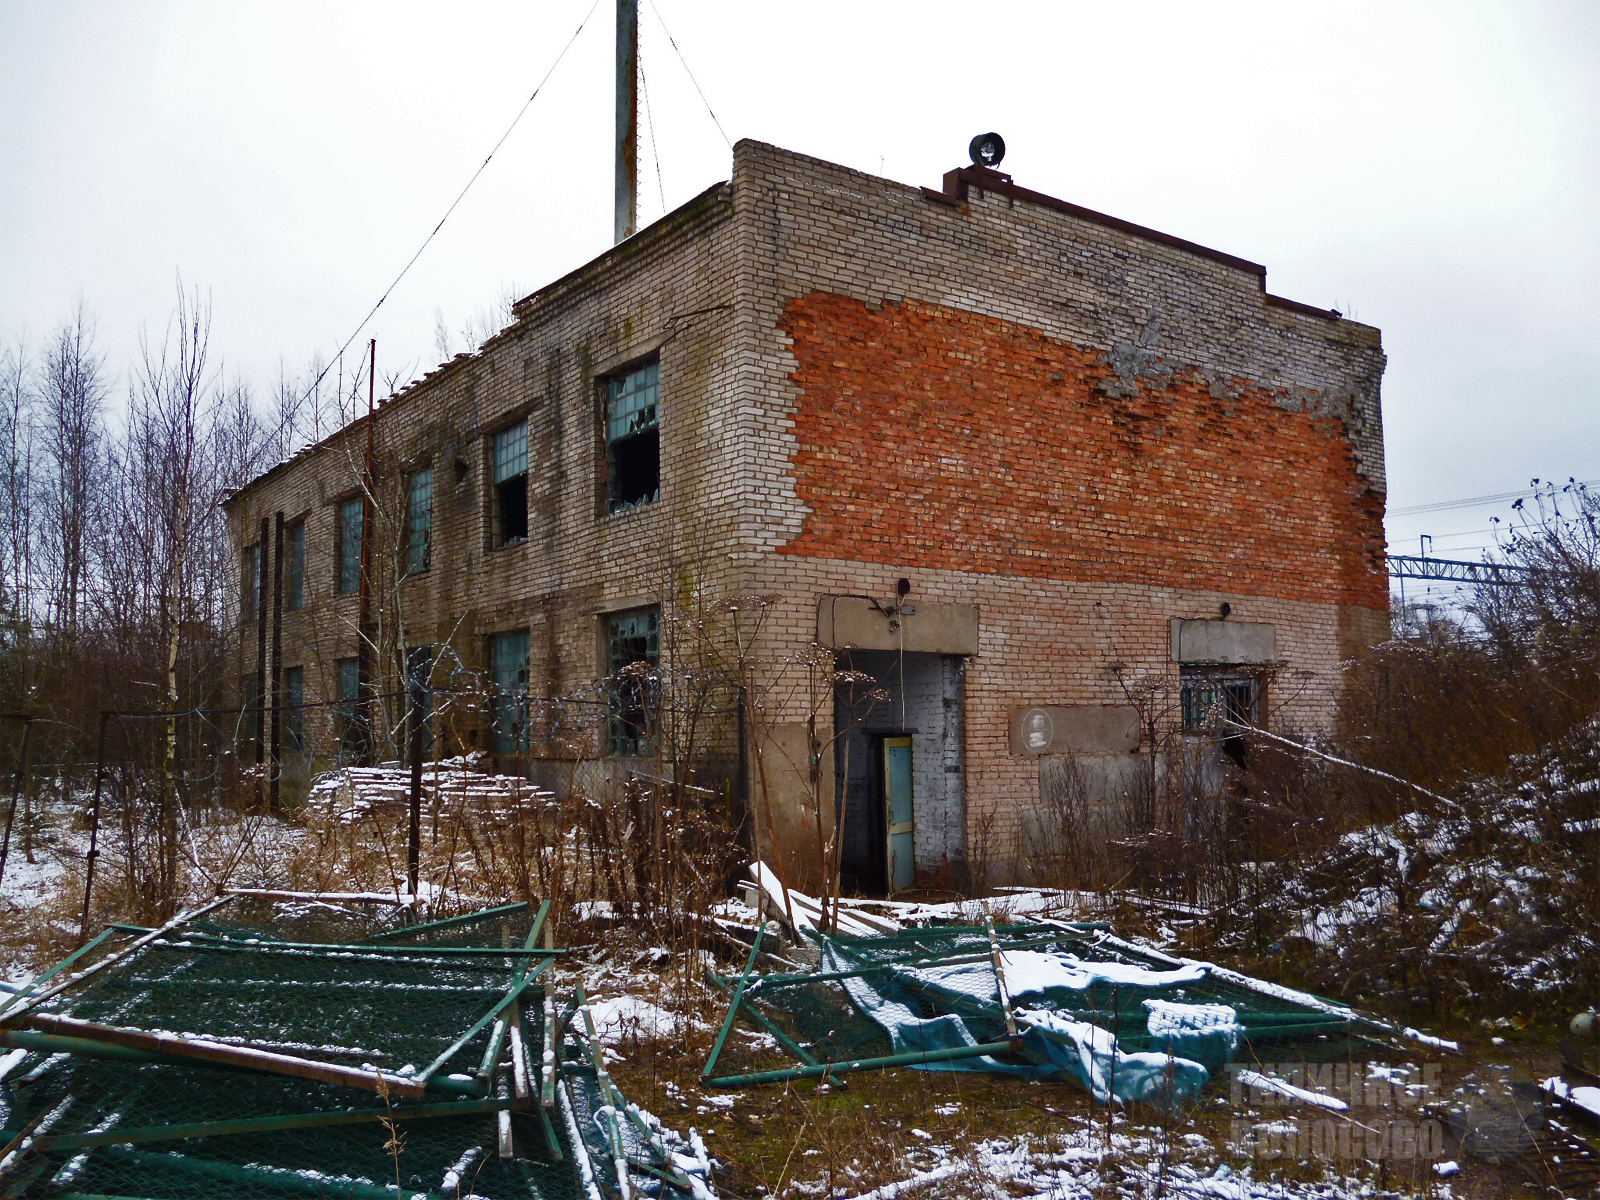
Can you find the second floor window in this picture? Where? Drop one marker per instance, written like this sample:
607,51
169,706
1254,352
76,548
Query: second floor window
419,521
250,583
297,565
511,485
633,438
352,517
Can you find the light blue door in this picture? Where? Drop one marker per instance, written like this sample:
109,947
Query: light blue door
902,812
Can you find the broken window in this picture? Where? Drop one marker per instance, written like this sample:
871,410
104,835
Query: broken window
511,485
1211,697
352,521
633,438
419,521
294,717
297,565
633,654
250,583
352,729
508,697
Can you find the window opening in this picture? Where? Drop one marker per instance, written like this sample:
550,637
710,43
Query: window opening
294,696
352,518
419,675
1211,696
250,583
508,700
250,718
297,565
419,521
633,438
633,638
351,727
511,484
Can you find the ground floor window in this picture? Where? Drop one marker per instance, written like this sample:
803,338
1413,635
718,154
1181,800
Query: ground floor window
419,673
508,691
352,731
632,638
1213,695
294,698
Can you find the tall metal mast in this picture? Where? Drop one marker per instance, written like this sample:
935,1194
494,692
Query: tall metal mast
627,199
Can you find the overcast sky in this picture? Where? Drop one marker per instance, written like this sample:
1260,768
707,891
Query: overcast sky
1432,169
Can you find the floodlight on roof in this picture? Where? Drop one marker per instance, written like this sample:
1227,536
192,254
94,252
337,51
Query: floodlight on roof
987,149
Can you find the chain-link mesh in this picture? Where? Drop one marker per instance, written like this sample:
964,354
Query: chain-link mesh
321,985
868,994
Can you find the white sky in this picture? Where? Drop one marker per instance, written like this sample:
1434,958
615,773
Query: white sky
1432,169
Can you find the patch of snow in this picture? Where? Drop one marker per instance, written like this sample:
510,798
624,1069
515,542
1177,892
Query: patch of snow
623,1017
1269,1083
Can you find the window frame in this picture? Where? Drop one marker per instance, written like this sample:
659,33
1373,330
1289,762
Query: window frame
295,536
294,725
500,698
250,583
413,566
352,731
345,568
1201,686
497,500
611,503
629,704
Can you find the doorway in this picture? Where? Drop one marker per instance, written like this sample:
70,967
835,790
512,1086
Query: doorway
899,771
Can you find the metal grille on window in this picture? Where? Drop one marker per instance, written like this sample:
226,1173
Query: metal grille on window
419,523
1213,698
510,476
297,565
508,668
633,638
294,717
351,519
633,440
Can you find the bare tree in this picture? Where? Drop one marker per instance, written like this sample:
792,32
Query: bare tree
72,396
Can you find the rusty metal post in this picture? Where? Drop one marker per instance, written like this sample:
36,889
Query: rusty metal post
414,844
261,645
94,830
277,668
627,190
16,793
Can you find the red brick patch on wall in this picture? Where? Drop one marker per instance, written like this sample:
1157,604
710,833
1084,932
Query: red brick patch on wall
934,437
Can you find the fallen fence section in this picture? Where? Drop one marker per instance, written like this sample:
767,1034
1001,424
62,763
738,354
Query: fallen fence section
1044,1000
308,1050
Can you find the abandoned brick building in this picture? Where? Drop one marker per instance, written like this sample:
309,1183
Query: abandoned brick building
1061,484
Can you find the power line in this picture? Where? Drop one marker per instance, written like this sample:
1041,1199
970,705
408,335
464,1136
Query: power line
1474,501
690,74
462,195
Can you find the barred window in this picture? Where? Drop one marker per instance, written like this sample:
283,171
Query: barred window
419,521
1211,697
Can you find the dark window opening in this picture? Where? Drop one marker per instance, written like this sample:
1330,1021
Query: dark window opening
352,521
633,438
294,717
511,485
419,521
419,676
250,583
297,565
352,729
249,718
633,654
508,696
